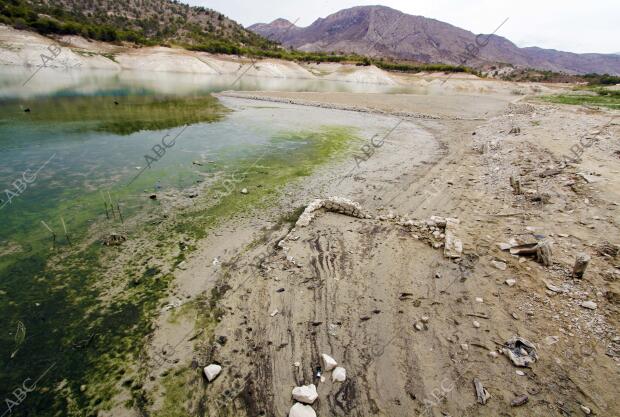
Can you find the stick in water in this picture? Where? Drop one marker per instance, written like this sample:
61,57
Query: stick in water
52,232
65,227
119,212
111,205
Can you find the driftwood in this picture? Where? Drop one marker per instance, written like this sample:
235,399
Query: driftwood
541,250
543,253
515,184
481,393
581,264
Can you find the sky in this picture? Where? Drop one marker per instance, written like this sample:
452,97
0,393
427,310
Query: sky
568,25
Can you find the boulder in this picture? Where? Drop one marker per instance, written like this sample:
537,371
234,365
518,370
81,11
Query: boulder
329,363
212,371
300,410
305,394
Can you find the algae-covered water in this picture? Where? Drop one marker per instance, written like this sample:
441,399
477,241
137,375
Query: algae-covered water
77,164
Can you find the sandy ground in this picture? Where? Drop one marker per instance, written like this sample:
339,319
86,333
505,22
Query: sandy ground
413,328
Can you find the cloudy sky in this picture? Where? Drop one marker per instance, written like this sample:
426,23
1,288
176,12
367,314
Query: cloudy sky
568,25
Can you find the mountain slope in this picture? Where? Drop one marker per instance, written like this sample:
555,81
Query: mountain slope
140,21
384,32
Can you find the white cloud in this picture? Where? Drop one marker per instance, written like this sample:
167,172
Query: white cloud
568,25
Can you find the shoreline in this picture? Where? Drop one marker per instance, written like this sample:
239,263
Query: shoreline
341,277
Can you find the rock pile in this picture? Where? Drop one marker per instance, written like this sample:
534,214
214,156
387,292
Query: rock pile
334,204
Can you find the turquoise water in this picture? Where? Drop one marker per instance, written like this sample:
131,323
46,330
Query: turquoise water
72,159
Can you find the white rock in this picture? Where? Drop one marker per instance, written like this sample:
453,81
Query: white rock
274,312
585,409
511,282
339,374
589,304
454,246
520,373
476,324
305,394
300,410
504,246
329,363
479,300
244,191
212,371
550,340
499,265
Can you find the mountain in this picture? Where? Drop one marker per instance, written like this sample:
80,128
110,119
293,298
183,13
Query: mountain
384,32
138,21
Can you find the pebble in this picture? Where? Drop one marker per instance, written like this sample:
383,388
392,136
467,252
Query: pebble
520,400
479,300
550,340
212,371
305,394
520,373
493,354
499,265
585,409
465,346
511,282
300,410
589,304
476,324
244,191
329,363
339,374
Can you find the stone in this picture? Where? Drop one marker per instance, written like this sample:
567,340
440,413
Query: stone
333,204
305,394
479,300
521,351
300,410
499,265
511,282
212,371
520,400
504,246
453,247
476,324
520,373
589,304
551,340
329,363
465,346
339,374
585,409
493,354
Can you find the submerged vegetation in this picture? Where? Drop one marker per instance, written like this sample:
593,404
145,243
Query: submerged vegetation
88,309
121,115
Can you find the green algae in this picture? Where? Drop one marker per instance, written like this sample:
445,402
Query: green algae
97,344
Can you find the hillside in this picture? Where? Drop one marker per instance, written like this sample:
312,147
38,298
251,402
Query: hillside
148,22
384,32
